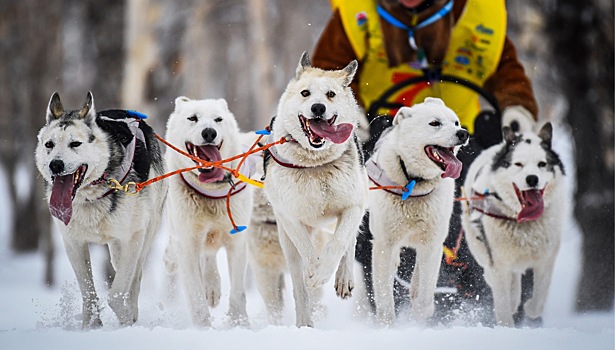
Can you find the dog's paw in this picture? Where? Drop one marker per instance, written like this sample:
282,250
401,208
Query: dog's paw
212,293
344,287
318,273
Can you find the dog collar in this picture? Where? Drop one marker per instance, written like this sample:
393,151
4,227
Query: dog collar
248,168
283,162
129,151
428,21
380,178
483,204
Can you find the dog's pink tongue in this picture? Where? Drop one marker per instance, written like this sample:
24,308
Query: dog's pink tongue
532,205
453,165
61,200
334,133
212,154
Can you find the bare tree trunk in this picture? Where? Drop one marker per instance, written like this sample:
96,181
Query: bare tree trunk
262,64
582,33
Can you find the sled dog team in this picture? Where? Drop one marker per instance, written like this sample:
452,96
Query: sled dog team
306,218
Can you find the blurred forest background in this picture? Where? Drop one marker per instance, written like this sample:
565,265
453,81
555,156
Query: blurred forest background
142,54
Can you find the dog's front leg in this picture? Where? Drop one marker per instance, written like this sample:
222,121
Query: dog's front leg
344,283
296,266
342,242
188,247
129,256
424,280
500,281
79,257
237,264
384,264
542,279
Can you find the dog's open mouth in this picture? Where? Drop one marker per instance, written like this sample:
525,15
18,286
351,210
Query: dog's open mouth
318,130
445,159
532,204
63,191
210,153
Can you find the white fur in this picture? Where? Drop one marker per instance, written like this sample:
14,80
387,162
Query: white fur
422,222
516,246
129,229
200,226
331,190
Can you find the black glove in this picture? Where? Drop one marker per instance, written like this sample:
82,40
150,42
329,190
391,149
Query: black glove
488,129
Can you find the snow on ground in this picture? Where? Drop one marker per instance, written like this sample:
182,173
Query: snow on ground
33,316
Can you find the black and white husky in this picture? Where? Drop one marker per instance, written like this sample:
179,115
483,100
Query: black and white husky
515,216
78,152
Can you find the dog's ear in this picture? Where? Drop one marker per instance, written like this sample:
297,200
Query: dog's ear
508,134
223,103
434,100
402,114
546,134
349,72
180,100
88,112
54,108
304,63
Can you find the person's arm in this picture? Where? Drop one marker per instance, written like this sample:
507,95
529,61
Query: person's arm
513,91
334,51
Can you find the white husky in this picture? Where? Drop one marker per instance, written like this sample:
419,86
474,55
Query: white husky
316,179
78,152
514,220
198,218
418,152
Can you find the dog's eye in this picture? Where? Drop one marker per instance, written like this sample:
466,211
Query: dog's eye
542,164
456,123
519,164
435,123
305,93
49,144
74,144
218,120
193,118
330,94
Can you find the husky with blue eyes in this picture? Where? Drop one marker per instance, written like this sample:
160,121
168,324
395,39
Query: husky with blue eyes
514,218
78,153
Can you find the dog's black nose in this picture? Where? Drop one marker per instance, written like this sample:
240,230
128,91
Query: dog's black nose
532,180
209,135
463,135
318,109
56,166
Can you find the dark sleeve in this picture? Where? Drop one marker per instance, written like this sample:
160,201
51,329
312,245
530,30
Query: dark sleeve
333,49
509,84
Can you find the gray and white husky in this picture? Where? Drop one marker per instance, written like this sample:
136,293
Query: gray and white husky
78,152
317,179
515,216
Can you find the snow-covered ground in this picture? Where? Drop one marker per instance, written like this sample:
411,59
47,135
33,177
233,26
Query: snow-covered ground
33,316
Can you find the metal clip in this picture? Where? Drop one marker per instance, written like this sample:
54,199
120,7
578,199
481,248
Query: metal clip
130,188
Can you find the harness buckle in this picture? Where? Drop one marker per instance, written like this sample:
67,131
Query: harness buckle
130,188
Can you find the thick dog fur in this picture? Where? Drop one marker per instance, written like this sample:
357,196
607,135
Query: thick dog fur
77,152
422,220
507,237
323,181
200,225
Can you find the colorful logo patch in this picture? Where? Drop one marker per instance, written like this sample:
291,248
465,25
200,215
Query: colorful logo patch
361,18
